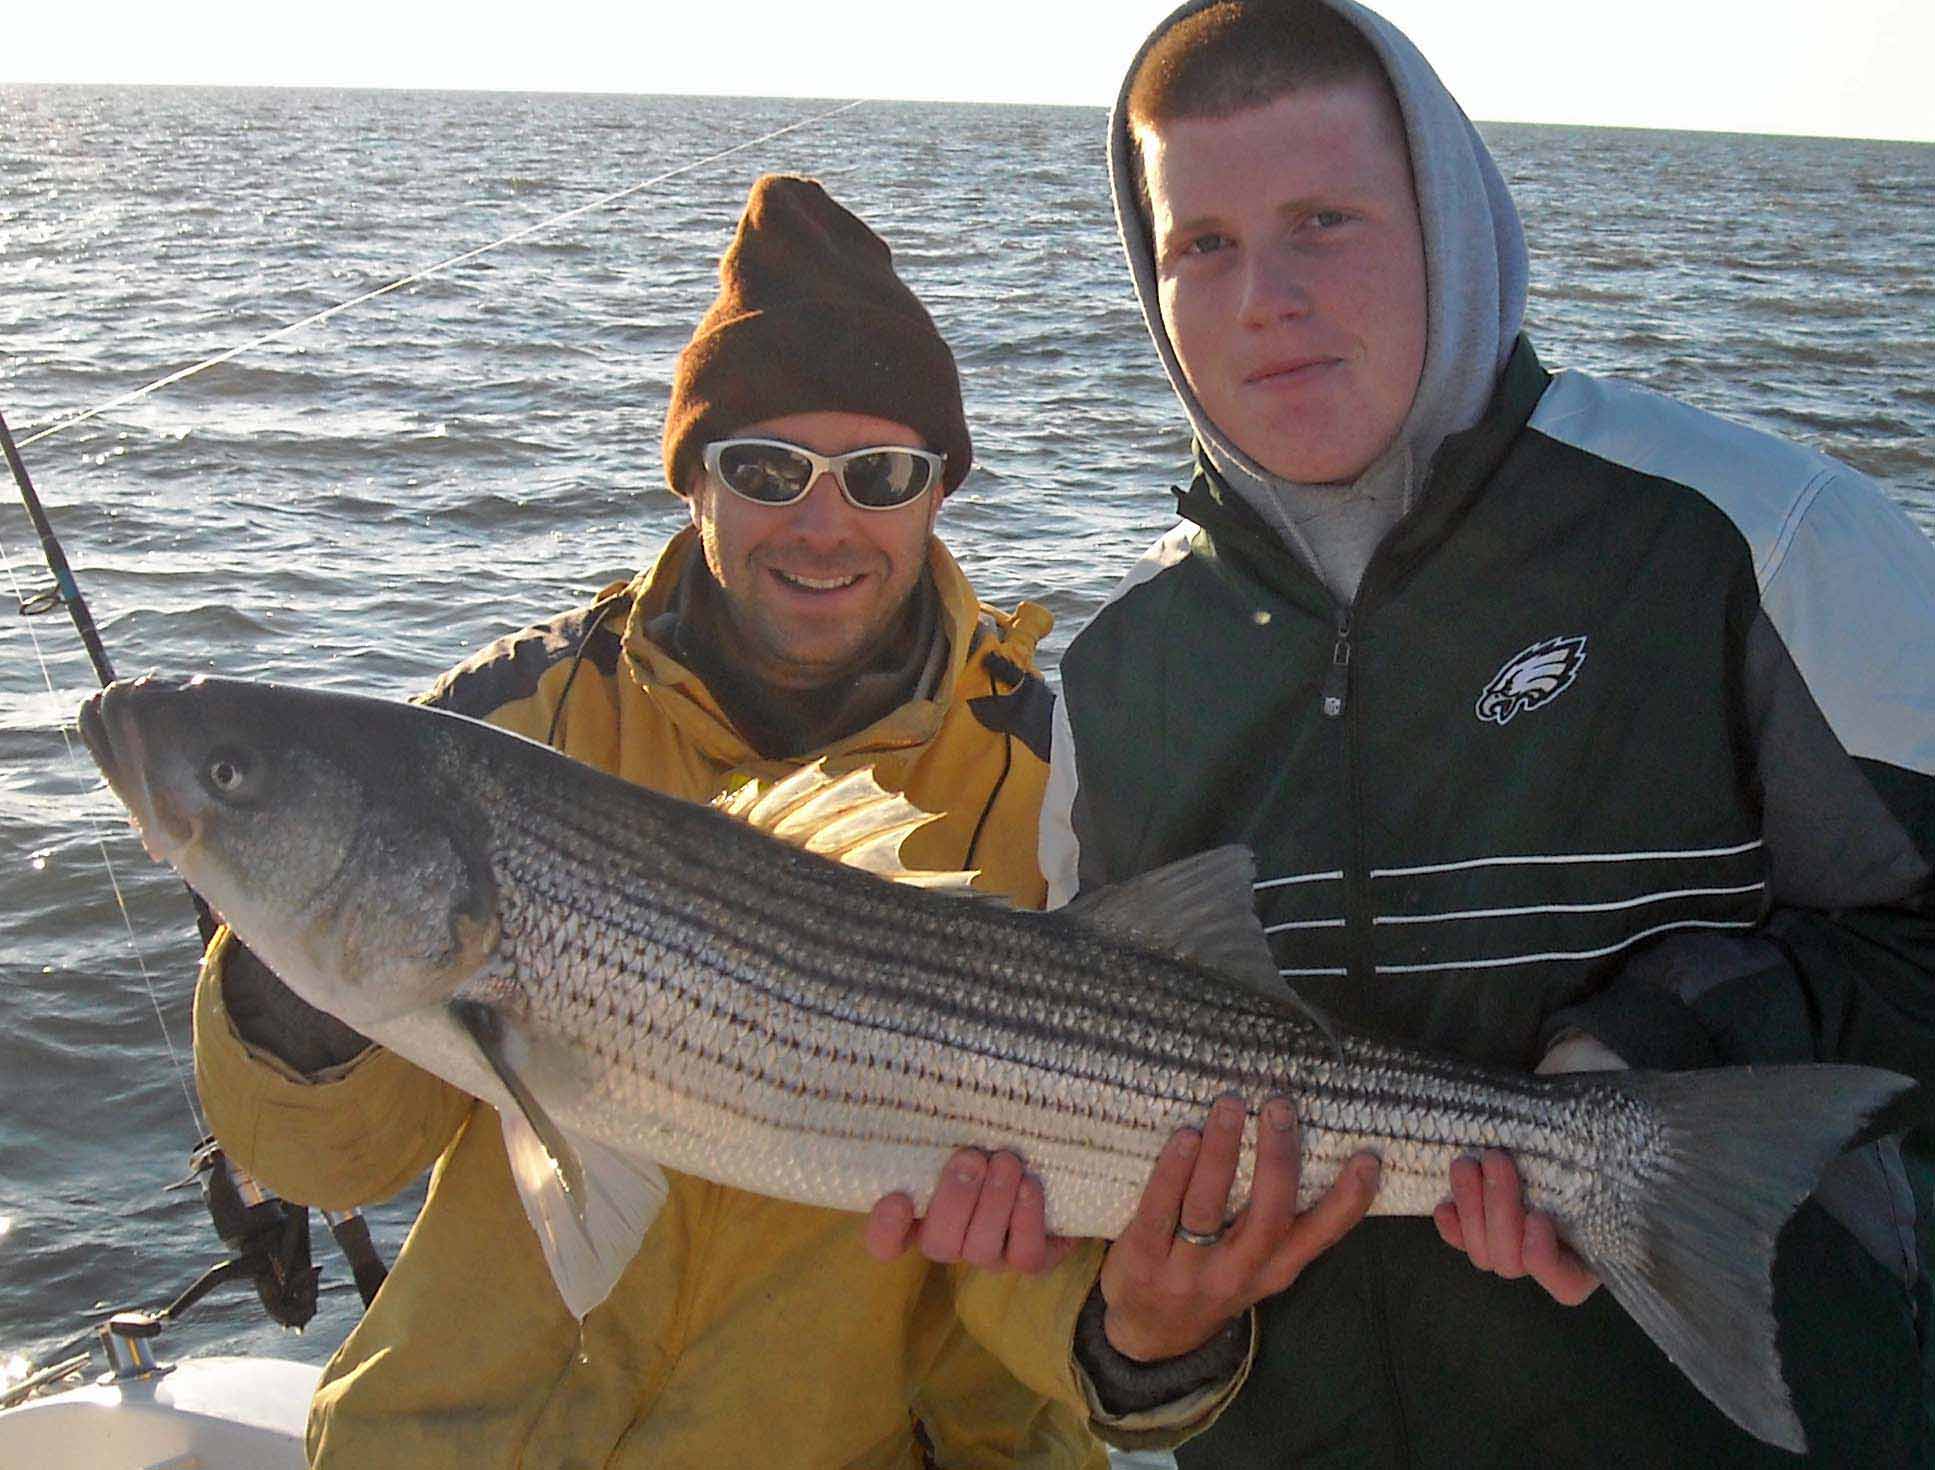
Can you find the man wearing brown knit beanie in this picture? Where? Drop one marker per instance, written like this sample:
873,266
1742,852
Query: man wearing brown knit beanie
809,620
809,614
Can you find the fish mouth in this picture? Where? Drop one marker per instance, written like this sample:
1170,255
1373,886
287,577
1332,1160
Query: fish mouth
110,727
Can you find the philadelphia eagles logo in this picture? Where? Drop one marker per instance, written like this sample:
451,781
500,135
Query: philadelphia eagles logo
1535,677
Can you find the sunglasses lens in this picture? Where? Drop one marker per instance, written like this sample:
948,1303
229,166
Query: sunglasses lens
766,473
887,477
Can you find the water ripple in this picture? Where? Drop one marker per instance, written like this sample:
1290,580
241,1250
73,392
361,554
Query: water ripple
361,503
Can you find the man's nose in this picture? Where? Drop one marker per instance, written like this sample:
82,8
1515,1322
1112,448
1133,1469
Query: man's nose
822,511
1274,286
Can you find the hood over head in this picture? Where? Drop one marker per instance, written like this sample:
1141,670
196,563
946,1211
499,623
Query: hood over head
1475,284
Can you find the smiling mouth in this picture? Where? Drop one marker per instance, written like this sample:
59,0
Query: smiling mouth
816,584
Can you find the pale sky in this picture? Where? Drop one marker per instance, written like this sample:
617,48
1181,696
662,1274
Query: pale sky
1843,67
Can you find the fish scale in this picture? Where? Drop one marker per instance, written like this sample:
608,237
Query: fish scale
980,1039
636,982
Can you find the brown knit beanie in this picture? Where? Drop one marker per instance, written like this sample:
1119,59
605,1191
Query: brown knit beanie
810,316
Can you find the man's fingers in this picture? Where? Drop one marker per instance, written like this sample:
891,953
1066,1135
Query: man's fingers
986,1211
1342,1206
1445,1217
1279,1157
1490,1209
1166,1296
985,1242
889,1228
1265,1220
1486,1218
1153,1228
1468,1198
1504,1215
1320,1227
1029,1250
1205,1205
951,1210
1566,1279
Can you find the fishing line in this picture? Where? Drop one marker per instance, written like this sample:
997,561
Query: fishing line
428,271
68,593
107,862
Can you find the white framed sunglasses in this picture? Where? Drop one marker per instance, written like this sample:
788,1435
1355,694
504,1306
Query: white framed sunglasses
773,472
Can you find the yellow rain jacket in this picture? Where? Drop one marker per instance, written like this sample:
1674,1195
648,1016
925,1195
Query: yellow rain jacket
747,1331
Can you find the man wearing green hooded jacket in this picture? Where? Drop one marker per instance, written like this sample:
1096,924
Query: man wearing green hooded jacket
1571,727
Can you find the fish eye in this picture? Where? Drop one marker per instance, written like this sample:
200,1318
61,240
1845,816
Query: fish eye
227,772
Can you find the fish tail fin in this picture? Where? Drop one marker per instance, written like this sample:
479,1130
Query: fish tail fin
1740,1149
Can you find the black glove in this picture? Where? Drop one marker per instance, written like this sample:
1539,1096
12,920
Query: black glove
269,1015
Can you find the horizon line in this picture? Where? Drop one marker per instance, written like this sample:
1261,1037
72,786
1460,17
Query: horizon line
567,91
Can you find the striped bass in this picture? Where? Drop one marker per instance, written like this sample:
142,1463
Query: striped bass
636,982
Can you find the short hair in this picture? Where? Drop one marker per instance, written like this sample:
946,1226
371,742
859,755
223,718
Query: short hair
1238,54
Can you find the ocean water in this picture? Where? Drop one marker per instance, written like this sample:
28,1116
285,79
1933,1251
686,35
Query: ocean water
360,503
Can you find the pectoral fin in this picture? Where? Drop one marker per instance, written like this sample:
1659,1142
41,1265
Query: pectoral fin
589,1204
589,1236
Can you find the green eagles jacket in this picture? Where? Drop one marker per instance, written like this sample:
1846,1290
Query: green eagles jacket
1631,726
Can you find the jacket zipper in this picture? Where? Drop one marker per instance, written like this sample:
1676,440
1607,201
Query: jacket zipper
1337,677
1338,704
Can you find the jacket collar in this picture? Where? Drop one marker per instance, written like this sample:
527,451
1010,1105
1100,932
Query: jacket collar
1464,465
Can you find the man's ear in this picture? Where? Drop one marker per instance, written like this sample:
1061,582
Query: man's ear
694,488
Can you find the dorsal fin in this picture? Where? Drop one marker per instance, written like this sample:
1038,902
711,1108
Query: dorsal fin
1200,908
851,819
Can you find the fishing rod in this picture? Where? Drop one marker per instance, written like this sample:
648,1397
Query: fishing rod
269,1235
65,591
260,1226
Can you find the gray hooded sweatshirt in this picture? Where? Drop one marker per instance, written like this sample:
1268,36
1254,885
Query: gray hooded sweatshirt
1475,274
